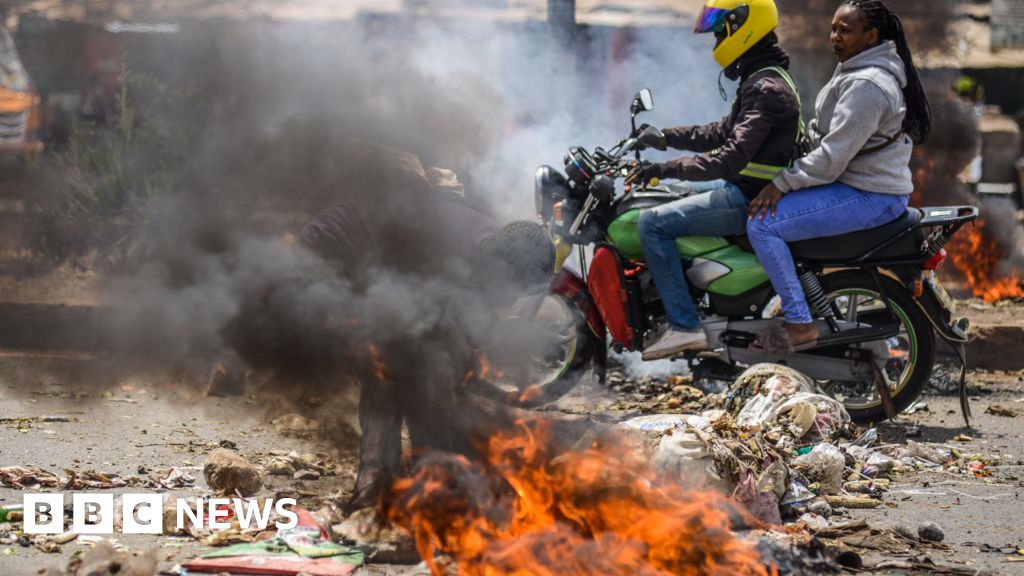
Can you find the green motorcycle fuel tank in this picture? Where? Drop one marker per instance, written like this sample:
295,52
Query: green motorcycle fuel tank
715,265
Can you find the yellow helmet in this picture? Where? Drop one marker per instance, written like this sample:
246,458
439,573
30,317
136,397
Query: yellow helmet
737,24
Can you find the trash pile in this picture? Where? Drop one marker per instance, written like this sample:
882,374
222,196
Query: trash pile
778,447
794,458
653,395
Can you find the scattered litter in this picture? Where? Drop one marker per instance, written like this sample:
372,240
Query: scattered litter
852,502
174,478
915,407
824,464
998,410
19,477
304,549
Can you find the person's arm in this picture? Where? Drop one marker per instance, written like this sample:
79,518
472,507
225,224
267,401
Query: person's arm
698,138
762,107
857,115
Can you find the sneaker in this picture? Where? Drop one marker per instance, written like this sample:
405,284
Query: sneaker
674,343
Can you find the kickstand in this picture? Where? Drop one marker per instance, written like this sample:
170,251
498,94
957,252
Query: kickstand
965,405
882,384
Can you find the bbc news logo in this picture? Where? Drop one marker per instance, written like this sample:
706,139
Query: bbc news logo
144,513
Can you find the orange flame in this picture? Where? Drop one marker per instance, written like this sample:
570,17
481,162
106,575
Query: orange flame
529,511
485,366
976,255
379,368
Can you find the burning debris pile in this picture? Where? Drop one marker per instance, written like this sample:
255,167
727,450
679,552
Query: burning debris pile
986,257
598,510
664,493
983,256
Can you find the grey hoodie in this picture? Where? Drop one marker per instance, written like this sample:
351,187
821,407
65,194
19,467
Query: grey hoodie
860,107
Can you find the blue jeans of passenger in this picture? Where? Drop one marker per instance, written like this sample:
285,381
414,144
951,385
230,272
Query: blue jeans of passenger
815,212
716,208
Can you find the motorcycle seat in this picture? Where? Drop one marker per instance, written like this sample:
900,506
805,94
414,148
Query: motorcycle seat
856,244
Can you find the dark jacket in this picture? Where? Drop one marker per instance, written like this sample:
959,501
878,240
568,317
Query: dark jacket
762,128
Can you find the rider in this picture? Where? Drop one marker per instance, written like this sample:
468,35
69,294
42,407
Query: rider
868,119
737,157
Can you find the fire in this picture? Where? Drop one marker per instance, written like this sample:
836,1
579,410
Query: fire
976,255
379,368
528,510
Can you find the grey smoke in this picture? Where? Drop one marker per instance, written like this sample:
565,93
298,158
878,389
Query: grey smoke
277,116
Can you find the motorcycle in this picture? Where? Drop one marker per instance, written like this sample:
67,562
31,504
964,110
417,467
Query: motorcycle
874,294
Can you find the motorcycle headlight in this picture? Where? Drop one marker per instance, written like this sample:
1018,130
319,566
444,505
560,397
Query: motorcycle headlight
549,187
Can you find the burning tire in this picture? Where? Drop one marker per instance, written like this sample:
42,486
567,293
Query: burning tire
543,356
909,356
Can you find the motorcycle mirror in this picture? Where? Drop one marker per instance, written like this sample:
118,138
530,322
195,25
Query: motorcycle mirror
651,137
643,101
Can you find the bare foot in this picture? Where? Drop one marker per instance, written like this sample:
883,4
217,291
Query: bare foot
801,333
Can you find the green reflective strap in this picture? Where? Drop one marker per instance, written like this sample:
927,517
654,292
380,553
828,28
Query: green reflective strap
764,171
761,171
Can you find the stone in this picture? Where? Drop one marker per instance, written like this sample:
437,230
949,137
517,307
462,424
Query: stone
227,473
820,507
905,531
930,532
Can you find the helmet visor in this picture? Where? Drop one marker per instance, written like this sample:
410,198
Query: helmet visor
710,20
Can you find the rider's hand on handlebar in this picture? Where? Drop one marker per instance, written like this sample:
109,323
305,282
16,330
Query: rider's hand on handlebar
767,200
639,130
642,173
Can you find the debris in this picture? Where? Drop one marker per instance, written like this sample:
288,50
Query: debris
997,410
930,532
823,464
962,438
915,407
878,464
104,559
96,480
306,475
9,510
228,473
176,477
35,420
296,426
305,548
813,521
867,486
18,477
384,544
920,451
852,502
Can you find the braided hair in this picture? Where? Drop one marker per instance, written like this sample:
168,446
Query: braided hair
918,121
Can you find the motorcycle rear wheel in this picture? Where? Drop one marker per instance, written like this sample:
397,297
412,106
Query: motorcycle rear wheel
562,365
854,296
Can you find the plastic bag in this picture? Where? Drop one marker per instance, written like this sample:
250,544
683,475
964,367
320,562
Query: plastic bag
824,464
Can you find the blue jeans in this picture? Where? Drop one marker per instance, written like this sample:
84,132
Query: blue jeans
716,208
815,212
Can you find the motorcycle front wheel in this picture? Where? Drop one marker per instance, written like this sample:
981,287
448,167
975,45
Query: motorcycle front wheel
909,356
546,349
